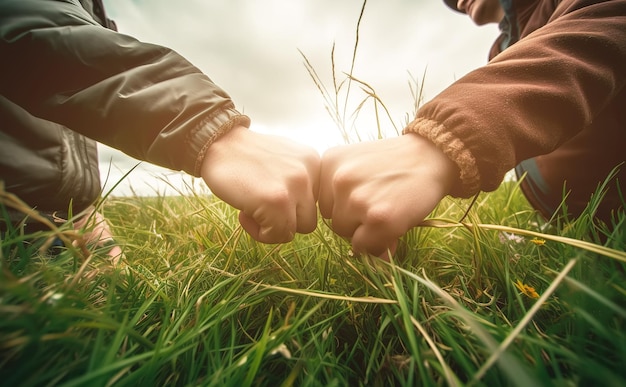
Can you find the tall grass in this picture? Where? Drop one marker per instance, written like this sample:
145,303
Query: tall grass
198,302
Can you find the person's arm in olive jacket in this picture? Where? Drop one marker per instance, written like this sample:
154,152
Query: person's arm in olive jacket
143,99
151,103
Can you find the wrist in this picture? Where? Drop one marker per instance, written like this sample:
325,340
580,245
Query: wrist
444,170
223,147
226,140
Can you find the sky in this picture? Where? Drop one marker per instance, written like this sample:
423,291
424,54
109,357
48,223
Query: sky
256,51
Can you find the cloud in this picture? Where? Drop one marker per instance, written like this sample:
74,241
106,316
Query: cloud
250,48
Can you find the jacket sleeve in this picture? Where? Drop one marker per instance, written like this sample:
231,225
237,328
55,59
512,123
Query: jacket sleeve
532,97
143,99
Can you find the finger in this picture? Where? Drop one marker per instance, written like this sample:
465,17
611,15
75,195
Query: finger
389,252
326,189
377,241
349,207
268,226
249,225
306,214
273,234
314,170
115,254
306,196
344,223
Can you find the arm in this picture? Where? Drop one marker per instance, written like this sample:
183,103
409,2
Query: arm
143,99
152,104
528,100
532,97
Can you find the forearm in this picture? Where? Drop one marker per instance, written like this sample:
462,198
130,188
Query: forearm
143,99
531,98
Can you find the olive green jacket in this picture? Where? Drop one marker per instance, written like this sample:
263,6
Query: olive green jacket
67,81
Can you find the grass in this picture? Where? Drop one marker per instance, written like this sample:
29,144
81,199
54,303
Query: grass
199,303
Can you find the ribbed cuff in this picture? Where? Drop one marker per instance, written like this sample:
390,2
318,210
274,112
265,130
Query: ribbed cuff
205,135
468,183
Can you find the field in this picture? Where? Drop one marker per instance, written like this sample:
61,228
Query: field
501,299
485,292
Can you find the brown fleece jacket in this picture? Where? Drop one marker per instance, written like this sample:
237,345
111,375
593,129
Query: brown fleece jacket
564,76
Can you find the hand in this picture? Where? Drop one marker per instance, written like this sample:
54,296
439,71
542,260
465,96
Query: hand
271,180
374,192
97,235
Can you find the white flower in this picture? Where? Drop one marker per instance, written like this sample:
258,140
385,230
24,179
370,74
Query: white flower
510,237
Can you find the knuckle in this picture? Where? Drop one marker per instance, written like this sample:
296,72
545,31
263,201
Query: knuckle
311,157
298,179
329,154
277,197
380,215
342,180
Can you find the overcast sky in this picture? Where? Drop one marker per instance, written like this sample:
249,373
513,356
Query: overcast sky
251,48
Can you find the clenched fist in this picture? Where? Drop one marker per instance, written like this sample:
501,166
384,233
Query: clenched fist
374,192
271,180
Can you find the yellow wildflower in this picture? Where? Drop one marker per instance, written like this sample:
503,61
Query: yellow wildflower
529,291
538,242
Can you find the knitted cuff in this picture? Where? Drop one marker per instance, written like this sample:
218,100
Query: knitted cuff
468,183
